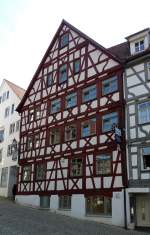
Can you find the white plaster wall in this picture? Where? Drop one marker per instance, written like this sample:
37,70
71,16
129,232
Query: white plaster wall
29,200
78,206
118,208
5,122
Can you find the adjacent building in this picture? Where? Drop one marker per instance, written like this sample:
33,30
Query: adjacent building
70,159
10,97
137,95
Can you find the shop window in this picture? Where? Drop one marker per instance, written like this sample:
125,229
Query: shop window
26,173
71,100
108,121
109,85
144,112
70,132
89,93
40,171
55,136
103,164
76,167
65,202
88,127
55,106
98,205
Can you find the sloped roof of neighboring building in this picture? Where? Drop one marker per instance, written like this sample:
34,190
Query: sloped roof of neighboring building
121,50
134,34
17,89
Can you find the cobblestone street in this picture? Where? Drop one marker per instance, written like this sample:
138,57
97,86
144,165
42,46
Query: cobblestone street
19,220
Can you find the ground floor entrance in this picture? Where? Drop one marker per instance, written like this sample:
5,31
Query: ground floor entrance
143,211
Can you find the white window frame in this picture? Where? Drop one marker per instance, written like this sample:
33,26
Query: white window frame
140,46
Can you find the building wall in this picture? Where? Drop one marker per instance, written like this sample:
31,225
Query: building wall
8,138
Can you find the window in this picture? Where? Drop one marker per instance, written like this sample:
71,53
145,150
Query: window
103,164
76,167
109,85
146,158
37,112
1,136
29,143
88,127
49,79
40,171
7,94
144,112
36,141
9,150
139,46
98,205
63,73
55,106
76,66
12,128
64,40
12,108
17,125
89,93
31,115
65,202
0,99
1,154
70,132
55,136
26,173
4,176
108,121
7,112
148,69
71,100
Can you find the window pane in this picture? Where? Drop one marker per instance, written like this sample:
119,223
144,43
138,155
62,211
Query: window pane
71,100
4,177
65,202
89,93
110,85
88,127
55,106
98,205
76,167
49,79
26,173
40,171
144,112
108,121
103,164
64,40
76,66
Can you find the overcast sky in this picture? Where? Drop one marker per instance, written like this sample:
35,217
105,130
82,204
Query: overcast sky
28,26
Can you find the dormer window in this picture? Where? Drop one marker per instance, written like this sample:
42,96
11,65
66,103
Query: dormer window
139,46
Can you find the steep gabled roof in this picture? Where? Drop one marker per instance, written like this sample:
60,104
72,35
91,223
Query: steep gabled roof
17,89
121,50
114,57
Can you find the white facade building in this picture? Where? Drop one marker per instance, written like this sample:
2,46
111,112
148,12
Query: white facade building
137,95
10,96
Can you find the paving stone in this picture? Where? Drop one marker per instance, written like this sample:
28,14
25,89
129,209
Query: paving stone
20,220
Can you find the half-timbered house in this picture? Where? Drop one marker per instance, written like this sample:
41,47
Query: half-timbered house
137,95
69,159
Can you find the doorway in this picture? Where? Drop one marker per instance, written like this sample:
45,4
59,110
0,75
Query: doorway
143,211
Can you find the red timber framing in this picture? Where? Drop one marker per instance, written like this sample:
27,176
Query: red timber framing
95,65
